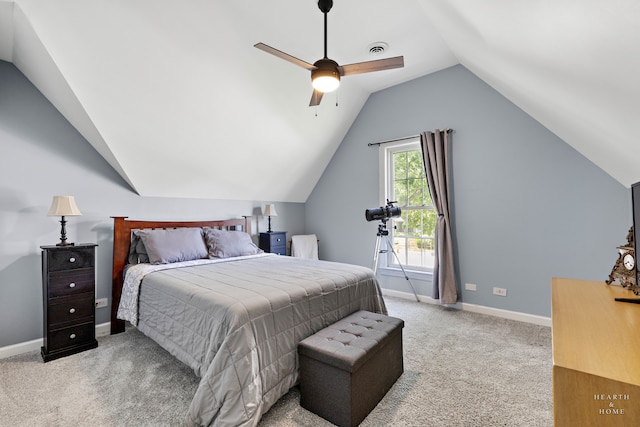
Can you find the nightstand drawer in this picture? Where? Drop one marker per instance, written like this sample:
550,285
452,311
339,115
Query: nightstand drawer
71,310
279,249
71,282
68,259
73,335
276,239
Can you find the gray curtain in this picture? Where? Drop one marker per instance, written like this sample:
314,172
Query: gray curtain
435,154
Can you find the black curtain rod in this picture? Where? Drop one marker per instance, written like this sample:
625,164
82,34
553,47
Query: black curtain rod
371,144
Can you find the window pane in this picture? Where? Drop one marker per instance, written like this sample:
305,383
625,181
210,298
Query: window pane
399,178
400,192
427,194
429,218
414,222
426,252
400,224
400,165
399,245
415,192
414,167
414,252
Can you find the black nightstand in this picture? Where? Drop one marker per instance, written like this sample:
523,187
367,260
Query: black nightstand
274,242
68,290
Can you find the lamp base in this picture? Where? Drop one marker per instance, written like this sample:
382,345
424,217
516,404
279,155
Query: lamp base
63,234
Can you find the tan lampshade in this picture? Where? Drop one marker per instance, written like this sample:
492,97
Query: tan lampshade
63,206
270,210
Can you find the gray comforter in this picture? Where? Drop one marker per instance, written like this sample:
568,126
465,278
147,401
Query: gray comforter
238,323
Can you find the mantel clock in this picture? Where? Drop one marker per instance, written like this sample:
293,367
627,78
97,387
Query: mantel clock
624,270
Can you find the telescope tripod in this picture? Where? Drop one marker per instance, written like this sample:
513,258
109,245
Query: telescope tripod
383,232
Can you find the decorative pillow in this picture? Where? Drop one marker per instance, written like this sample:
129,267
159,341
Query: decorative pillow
137,251
173,245
227,244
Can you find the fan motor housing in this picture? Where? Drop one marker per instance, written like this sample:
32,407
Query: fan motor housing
325,68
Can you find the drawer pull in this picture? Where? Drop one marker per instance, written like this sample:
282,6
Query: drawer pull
72,285
72,259
72,336
73,310
278,239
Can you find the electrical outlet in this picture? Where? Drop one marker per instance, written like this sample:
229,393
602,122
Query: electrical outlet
470,286
500,291
102,302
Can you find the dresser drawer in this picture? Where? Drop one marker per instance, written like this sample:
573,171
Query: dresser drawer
72,258
71,310
71,336
62,283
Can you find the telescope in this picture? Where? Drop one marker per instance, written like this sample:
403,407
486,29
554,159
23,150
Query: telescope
383,213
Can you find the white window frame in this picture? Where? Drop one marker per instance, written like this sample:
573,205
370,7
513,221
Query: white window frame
385,155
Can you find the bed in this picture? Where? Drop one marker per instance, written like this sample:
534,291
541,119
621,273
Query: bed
236,316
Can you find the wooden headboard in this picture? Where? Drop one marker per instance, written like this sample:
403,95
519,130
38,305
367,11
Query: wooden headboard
122,240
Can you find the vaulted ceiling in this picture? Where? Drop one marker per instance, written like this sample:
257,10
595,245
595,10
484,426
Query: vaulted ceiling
176,98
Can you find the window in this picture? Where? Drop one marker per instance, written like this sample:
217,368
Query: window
412,234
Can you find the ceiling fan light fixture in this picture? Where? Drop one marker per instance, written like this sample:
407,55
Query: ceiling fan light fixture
326,77
326,83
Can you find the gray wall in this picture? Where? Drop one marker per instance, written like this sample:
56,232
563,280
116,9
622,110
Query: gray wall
526,206
42,155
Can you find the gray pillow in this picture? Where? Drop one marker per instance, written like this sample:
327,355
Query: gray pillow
137,251
226,244
173,245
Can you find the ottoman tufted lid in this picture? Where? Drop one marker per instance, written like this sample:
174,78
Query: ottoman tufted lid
349,342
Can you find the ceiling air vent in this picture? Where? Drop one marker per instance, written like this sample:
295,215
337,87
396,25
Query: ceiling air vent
378,48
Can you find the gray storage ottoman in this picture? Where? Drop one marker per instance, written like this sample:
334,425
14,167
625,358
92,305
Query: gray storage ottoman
348,367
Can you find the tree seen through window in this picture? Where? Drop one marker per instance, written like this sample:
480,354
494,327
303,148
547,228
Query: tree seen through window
414,230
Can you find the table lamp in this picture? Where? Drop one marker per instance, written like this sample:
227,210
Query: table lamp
63,206
270,210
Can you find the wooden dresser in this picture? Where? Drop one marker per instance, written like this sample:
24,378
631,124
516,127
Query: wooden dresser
596,355
68,289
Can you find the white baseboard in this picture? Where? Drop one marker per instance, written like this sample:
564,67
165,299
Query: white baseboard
35,345
497,312
105,328
23,347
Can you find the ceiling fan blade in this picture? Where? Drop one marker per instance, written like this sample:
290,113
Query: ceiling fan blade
369,66
280,54
316,97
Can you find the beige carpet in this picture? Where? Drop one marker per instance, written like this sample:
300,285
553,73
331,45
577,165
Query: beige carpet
461,369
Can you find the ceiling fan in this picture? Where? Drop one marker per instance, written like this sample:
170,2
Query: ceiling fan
325,72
